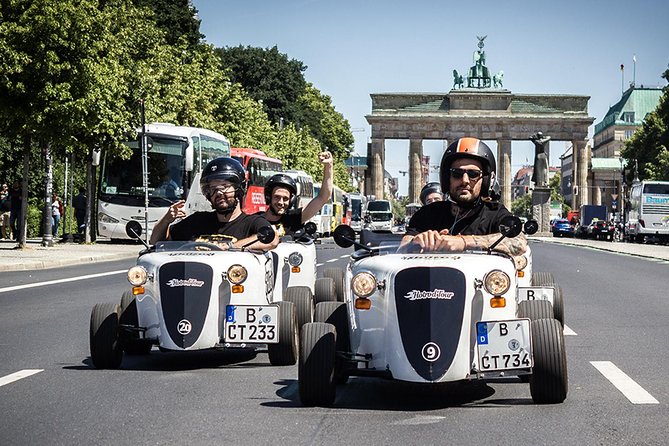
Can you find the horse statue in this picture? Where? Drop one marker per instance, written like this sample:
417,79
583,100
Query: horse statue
497,79
458,80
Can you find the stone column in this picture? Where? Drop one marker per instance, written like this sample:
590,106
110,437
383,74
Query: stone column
375,162
580,156
415,169
504,170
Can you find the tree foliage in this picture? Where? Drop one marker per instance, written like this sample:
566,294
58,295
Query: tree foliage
177,18
649,146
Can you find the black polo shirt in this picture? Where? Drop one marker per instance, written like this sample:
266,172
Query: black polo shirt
482,219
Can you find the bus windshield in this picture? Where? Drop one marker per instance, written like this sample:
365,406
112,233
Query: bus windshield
121,180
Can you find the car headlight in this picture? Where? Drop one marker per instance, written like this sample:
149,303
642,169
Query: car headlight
295,259
237,274
497,282
363,284
137,275
520,261
104,218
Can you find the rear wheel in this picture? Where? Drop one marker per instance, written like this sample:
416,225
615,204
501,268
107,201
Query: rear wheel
286,351
131,343
335,313
558,304
548,382
106,352
303,300
540,278
317,365
535,309
337,274
324,290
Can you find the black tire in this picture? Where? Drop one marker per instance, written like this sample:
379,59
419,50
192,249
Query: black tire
337,274
303,300
324,290
106,352
334,313
540,278
548,382
558,304
535,309
317,365
286,351
129,338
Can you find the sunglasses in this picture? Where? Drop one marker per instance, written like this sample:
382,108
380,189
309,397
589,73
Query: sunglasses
210,191
473,174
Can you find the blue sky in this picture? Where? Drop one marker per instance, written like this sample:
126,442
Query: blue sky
354,48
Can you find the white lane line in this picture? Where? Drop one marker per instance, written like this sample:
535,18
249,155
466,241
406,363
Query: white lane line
632,391
345,256
53,282
568,331
18,375
331,260
319,264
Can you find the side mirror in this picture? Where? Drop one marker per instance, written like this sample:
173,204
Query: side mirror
310,228
133,229
344,236
531,227
510,226
265,234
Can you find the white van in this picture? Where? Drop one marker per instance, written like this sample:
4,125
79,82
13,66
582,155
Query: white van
379,216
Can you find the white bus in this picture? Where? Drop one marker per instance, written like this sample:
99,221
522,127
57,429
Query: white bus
175,156
323,218
305,186
357,203
648,214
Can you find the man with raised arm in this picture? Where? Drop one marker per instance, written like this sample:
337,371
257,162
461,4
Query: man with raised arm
223,183
468,218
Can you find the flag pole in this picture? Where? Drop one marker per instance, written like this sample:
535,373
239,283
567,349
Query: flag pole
622,78
634,71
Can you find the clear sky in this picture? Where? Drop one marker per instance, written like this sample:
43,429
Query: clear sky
354,48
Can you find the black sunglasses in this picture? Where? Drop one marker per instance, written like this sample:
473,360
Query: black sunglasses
473,174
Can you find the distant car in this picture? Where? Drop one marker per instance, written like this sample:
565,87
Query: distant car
600,230
561,228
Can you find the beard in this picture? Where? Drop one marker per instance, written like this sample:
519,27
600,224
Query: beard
225,207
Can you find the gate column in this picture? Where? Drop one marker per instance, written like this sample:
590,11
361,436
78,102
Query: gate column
580,173
415,169
375,162
504,170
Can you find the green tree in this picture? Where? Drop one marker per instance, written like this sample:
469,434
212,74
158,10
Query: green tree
649,146
177,18
522,207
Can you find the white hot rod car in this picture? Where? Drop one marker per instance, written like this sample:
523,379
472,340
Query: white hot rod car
434,318
195,296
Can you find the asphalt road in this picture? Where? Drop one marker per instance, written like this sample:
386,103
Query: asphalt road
616,317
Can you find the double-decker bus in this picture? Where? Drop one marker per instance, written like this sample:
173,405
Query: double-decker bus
259,168
176,155
648,213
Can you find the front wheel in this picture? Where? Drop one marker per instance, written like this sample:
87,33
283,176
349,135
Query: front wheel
106,352
303,301
339,277
317,365
286,351
548,382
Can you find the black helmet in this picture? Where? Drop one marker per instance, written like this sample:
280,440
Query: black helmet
428,189
281,180
228,169
469,148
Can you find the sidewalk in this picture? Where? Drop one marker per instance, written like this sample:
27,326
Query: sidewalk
35,256
660,252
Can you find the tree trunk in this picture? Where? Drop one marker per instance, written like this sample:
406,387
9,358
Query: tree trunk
89,190
47,238
23,218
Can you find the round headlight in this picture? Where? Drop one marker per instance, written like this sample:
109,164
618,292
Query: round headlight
497,282
295,259
237,274
363,284
137,275
521,262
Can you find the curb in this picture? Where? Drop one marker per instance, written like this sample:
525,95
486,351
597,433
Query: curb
55,263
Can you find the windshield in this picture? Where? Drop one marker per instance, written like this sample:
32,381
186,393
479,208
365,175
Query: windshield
355,209
381,216
121,180
382,206
657,189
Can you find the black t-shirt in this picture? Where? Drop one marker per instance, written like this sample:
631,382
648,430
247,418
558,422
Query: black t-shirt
291,220
483,219
206,223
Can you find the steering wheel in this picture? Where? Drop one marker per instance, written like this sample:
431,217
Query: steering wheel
194,245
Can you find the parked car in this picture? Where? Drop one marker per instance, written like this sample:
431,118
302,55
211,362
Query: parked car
561,228
600,230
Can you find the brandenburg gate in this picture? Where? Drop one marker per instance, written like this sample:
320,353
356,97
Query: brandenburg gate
479,110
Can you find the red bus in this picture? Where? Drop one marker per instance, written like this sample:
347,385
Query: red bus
259,168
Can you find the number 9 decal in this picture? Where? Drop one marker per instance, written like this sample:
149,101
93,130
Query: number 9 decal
431,352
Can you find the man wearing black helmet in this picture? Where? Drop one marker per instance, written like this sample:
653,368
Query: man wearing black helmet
281,197
469,218
223,183
430,193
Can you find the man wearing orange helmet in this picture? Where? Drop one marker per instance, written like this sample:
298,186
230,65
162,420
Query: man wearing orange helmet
469,218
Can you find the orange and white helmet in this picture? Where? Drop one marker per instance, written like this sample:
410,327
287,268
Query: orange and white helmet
472,148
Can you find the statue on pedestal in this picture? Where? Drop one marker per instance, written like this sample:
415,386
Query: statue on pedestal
540,173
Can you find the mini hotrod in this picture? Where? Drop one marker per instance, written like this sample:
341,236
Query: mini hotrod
434,318
195,296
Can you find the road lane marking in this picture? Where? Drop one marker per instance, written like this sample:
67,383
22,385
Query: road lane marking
632,391
331,260
344,256
54,282
319,264
568,331
18,375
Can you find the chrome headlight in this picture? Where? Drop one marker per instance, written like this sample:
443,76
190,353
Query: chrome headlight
137,275
521,262
295,259
363,284
497,282
237,274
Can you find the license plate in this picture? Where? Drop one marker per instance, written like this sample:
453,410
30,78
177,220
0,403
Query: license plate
535,293
504,345
252,324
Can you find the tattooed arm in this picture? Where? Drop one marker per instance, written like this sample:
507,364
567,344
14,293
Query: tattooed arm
512,246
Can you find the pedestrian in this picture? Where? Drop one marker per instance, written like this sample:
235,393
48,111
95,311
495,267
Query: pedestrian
79,204
56,212
16,200
5,208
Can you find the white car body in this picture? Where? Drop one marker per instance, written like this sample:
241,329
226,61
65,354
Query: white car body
296,274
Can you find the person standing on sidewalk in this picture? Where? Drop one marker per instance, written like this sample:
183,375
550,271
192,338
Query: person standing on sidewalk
79,203
56,212
5,208
16,200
